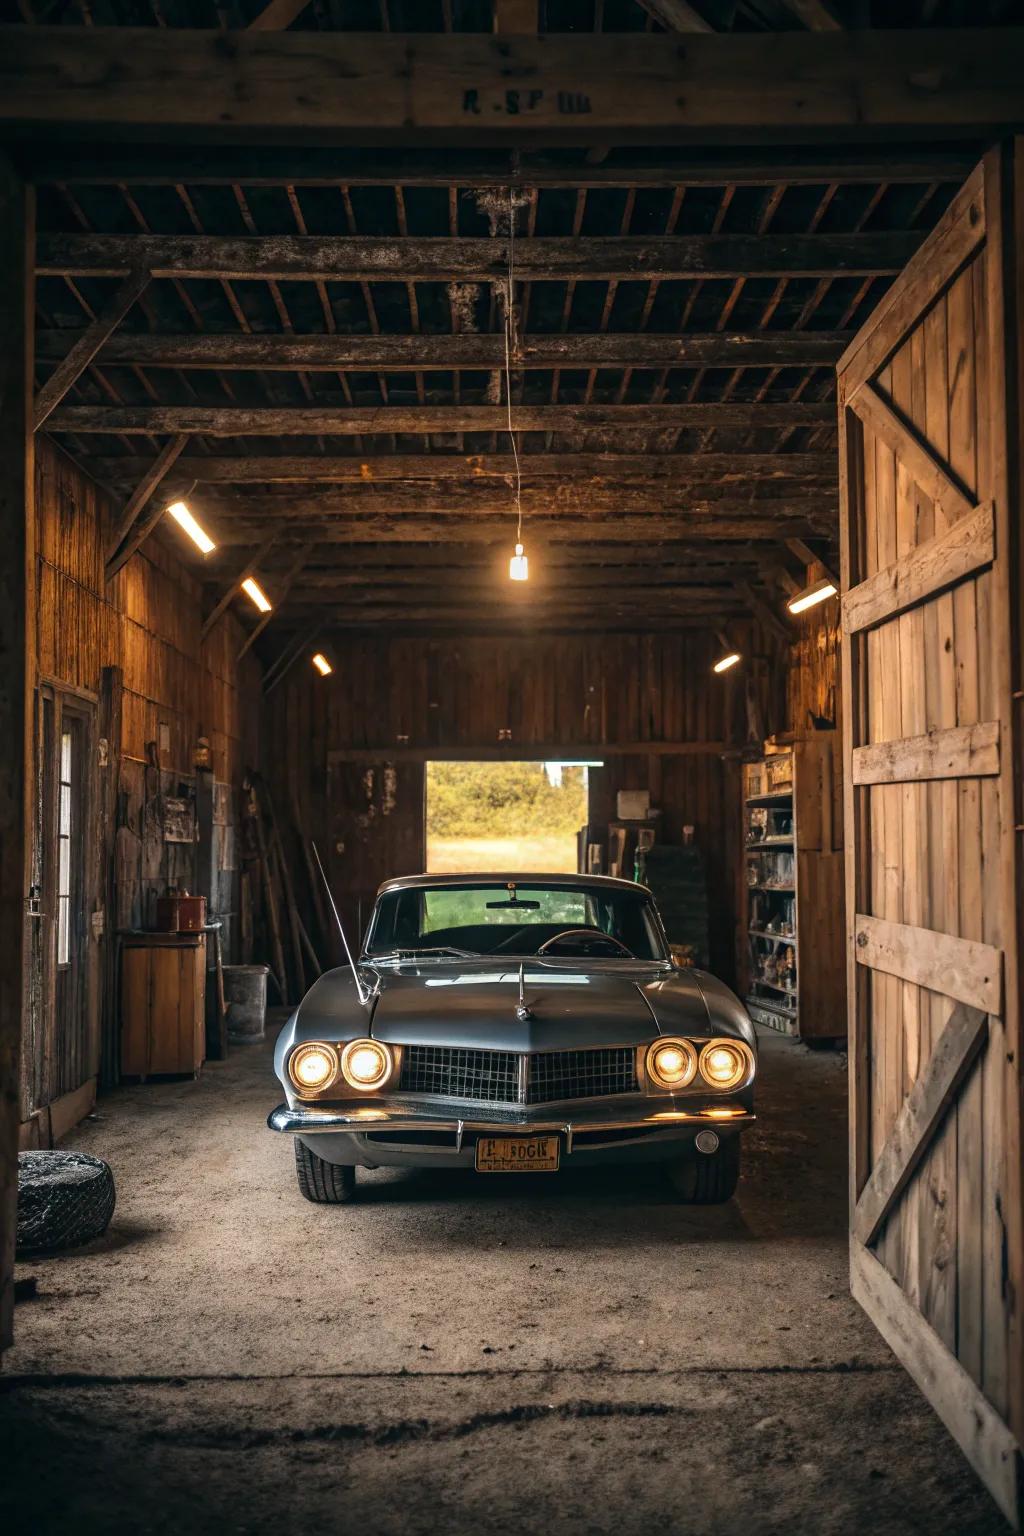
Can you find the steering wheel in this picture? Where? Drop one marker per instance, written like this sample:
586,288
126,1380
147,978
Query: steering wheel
586,937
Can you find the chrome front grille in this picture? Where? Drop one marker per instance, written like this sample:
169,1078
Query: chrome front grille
506,1077
490,1076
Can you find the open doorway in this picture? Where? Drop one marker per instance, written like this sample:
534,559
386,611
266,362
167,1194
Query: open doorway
515,816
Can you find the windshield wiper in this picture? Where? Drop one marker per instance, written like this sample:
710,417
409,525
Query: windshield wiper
415,954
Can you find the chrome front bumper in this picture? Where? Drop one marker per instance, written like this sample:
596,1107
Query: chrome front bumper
586,1124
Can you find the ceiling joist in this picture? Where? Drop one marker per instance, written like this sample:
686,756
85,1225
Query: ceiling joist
333,421
362,258
329,353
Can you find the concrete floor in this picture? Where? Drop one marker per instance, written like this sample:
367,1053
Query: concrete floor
577,1354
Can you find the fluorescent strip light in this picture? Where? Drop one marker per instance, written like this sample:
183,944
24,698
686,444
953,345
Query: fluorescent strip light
322,665
183,517
253,590
816,594
727,662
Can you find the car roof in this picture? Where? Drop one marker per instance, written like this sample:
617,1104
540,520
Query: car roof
559,882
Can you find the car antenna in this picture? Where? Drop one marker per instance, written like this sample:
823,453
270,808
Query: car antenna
522,1007
363,990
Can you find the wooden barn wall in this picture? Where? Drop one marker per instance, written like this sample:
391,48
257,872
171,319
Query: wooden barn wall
812,677
134,646
345,754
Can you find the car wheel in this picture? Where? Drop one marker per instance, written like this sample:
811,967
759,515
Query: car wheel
705,1178
322,1182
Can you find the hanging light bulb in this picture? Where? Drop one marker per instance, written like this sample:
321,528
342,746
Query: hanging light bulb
519,566
322,665
726,662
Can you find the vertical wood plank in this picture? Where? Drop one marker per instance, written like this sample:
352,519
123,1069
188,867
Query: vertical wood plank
17,630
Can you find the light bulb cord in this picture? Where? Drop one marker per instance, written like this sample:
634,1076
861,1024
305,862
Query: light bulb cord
508,364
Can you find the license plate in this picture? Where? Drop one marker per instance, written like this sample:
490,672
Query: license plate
517,1154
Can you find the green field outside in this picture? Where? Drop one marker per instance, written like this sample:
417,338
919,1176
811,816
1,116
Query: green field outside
493,817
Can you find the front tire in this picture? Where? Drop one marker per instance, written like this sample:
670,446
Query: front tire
706,1178
322,1182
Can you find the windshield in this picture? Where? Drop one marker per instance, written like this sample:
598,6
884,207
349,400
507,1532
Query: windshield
516,920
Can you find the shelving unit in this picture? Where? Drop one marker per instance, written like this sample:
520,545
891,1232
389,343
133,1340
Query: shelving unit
792,830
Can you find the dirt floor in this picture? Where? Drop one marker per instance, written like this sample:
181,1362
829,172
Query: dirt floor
460,1355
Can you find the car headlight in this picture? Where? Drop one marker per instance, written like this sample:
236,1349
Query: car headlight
727,1063
671,1063
313,1067
366,1065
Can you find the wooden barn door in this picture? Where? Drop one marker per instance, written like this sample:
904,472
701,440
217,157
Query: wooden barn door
932,590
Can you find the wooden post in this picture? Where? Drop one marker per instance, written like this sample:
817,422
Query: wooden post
17,596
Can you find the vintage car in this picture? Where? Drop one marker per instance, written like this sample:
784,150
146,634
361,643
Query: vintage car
516,1025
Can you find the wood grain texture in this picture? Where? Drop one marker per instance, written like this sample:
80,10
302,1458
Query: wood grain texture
310,421
966,751
959,968
928,568
970,1418
603,468
318,353
423,89
17,679
929,1099
363,258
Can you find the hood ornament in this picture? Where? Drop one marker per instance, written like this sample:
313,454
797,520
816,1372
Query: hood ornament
523,1013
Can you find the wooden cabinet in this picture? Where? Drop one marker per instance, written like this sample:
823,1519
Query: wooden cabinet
163,1003
794,964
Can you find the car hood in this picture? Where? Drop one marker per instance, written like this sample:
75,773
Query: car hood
476,1004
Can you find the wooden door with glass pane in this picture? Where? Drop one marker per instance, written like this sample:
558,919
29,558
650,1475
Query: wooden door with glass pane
61,1014
931,515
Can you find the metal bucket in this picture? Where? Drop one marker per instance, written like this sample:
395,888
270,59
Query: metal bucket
245,992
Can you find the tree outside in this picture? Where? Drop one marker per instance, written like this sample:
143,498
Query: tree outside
484,817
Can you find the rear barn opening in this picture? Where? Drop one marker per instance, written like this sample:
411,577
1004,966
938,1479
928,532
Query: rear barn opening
520,817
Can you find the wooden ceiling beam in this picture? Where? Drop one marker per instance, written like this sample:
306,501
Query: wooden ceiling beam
365,258
120,163
608,468
475,90
585,503
330,353
494,530
335,421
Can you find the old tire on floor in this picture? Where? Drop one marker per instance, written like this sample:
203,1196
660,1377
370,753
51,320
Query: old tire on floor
706,1178
323,1183
64,1199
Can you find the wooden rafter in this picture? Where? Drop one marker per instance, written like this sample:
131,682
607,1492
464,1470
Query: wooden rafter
309,421
277,15
226,598
283,588
328,353
87,344
679,469
676,15
364,258
135,524
123,163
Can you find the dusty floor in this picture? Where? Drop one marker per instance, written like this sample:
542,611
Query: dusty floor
452,1354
